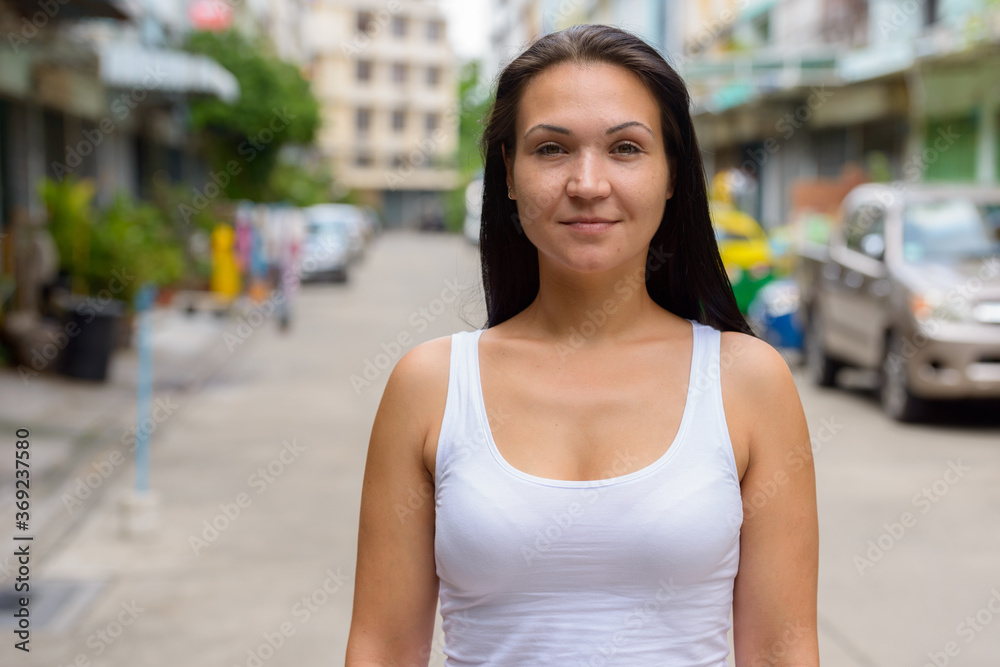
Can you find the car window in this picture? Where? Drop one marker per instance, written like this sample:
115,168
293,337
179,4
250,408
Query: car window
949,229
867,219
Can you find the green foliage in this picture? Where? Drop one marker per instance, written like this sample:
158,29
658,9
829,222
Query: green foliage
135,237
300,186
70,217
191,227
471,123
276,106
130,243
472,120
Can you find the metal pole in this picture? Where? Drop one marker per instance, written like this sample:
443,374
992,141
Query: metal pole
144,302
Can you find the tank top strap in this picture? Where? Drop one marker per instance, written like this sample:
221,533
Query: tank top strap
459,426
706,393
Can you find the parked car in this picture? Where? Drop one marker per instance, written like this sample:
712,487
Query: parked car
325,252
347,217
473,210
909,286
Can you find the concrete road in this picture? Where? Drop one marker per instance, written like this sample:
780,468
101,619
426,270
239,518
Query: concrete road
259,477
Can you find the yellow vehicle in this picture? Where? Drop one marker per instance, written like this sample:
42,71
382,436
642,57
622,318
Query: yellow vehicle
743,244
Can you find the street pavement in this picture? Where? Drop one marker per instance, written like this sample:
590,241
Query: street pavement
258,473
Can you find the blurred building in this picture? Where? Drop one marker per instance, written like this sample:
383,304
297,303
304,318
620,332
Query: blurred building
385,77
92,92
516,23
904,89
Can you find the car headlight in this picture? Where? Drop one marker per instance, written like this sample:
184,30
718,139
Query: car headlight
937,305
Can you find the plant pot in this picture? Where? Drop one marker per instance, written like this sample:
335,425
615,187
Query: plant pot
95,332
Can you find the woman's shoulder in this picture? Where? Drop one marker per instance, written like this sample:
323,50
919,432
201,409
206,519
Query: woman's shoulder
423,367
758,386
753,366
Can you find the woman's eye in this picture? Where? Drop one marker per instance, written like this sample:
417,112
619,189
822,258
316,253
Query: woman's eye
548,149
627,149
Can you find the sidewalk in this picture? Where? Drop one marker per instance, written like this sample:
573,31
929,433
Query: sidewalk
81,432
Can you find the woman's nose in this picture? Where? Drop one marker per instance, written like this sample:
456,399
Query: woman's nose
588,179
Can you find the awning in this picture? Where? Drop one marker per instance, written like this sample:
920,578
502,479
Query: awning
137,66
874,62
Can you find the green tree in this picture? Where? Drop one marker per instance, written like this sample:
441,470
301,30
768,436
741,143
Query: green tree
475,104
276,106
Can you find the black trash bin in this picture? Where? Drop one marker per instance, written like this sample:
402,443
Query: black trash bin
88,352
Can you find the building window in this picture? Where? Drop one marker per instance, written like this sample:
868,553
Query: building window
364,70
434,31
431,122
362,159
399,26
363,120
399,73
398,120
364,18
433,76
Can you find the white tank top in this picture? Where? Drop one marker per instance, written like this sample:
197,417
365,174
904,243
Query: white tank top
631,570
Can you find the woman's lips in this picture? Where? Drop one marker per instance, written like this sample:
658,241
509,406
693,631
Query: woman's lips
589,226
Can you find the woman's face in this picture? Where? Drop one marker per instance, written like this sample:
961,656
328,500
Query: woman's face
589,173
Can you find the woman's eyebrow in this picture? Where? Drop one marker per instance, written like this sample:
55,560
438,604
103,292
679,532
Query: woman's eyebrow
565,130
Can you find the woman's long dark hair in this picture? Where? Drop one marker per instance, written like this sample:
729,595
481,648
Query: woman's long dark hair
692,283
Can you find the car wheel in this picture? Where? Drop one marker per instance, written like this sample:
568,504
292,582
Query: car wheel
822,369
894,392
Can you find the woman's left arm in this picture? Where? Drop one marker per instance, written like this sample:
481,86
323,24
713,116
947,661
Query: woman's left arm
774,596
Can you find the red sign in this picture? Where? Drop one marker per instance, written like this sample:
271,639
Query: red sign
210,14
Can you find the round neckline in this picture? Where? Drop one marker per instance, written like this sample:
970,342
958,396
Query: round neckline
586,483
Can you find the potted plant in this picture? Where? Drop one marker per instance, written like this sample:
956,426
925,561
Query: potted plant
107,255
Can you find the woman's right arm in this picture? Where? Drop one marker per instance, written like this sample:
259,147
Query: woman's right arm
396,583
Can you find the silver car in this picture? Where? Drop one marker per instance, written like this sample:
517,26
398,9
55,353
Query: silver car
325,252
910,287
348,218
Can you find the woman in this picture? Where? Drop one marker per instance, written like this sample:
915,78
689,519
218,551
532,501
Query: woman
615,463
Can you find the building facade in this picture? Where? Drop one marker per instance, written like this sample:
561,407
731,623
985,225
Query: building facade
386,80
905,90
